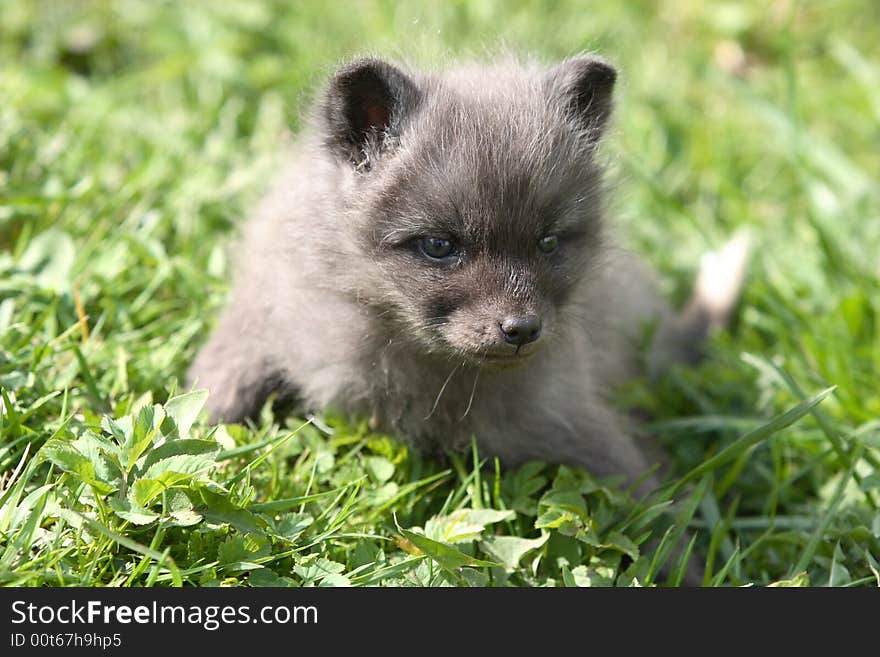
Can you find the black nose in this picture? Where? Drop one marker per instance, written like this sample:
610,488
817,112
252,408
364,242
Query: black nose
521,330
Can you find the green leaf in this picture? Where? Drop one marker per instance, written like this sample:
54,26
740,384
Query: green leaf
476,578
383,494
69,459
564,522
133,513
142,435
508,550
601,571
240,552
185,517
572,501
49,259
335,580
144,491
870,482
521,487
314,568
587,577
218,509
97,449
116,428
563,549
291,525
568,578
184,409
619,542
448,557
800,580
148,418
464,524
178,468
379,468
178,500
264,577
186,446
563,508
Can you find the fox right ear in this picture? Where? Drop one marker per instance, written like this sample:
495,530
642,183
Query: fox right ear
585,85
364,105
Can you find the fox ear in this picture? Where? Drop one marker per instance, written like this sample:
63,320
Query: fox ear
364,104
584,84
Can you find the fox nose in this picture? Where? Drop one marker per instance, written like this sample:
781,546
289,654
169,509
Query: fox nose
521,330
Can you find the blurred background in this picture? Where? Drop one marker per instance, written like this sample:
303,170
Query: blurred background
762,113
134,135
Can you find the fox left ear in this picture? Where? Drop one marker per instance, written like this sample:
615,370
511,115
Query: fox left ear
585,85
365,101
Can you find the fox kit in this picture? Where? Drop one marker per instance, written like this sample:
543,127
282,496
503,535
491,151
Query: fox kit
436,257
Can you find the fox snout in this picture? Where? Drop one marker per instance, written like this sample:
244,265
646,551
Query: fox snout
520,330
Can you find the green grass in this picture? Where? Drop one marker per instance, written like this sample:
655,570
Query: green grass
134,136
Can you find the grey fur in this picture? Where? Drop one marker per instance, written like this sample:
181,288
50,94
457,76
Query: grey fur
334,302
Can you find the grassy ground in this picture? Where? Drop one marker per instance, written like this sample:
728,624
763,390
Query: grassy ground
134,135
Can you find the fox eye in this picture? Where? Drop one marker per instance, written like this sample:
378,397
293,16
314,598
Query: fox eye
548,244
436,248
